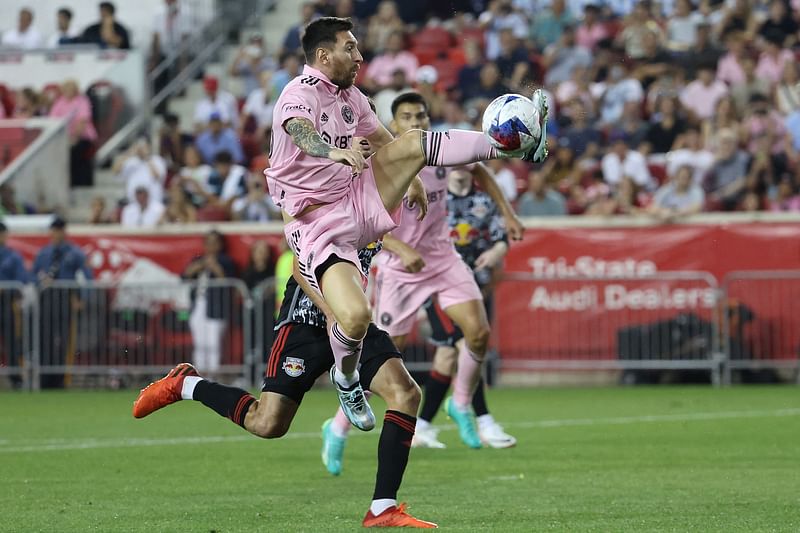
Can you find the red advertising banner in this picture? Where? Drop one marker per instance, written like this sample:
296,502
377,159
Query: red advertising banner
564,316
568,316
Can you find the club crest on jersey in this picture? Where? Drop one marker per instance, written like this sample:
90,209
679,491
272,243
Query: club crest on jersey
294,367
441,172
347,114
323,118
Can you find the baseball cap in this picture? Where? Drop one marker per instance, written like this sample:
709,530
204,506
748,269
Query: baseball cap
211,83
58,223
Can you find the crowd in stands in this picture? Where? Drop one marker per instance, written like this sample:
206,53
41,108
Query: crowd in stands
665,109
660,108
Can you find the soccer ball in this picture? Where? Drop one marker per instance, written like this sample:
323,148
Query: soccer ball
512,124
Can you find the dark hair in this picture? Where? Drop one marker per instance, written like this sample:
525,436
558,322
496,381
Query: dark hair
322,34
409,98
3,227
108,6
223,245
171,119
67,12
224,157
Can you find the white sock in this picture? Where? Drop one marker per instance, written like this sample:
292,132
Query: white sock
189,383
345,380
422,425
485,420
379,506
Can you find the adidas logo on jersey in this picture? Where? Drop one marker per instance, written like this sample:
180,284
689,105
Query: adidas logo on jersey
323,118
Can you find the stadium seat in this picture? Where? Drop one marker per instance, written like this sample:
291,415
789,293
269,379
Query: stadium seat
448,73
212,213
435,39
659,172
7,100
425,55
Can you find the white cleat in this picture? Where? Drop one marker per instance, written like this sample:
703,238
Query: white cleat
492,435
427,438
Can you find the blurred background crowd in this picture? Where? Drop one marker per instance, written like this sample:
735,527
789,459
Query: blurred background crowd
663,109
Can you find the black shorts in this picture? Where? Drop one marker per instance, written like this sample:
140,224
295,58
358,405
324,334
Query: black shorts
443,331
301,354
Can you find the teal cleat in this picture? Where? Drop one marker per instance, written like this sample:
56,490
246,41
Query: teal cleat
354,404
332,449
465,420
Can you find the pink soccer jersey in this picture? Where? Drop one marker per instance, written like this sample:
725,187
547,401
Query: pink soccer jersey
429,236
295,179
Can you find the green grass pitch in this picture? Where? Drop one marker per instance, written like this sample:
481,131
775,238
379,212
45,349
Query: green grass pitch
606,460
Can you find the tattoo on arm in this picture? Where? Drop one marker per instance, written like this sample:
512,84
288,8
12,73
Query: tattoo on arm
307,138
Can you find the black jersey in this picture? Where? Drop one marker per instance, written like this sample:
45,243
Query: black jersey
475,226
298,308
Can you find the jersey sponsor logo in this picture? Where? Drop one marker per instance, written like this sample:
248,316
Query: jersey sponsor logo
297,107
463,234
386,319
323,118
339,141
309,80
347,114
294,367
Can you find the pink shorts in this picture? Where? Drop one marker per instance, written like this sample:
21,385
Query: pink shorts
397,301
340,228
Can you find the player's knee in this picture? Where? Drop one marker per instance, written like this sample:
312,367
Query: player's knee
405,397
355,321
478,336
411,141
269,428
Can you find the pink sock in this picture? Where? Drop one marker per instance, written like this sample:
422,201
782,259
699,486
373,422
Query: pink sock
456,147
346,351
467,376
341,425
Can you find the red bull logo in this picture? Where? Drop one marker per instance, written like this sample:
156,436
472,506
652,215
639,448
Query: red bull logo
294,367
463,234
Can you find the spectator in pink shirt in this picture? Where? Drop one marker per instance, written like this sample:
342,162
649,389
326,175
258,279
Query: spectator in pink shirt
700,96
591,30
773,59
77,108
729,68
380,70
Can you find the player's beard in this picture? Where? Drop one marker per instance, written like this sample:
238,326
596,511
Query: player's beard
345,78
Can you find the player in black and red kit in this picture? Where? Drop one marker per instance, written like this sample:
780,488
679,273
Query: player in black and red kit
300,354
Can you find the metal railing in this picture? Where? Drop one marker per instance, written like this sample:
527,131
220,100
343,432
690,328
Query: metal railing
763,322
99,333
639,325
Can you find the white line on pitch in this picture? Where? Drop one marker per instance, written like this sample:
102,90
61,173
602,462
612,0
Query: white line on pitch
50,445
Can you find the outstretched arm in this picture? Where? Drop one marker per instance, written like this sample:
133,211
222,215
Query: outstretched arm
487,182
308,139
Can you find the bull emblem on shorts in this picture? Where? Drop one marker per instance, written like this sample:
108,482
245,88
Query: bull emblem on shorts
462,234
294,367
347,114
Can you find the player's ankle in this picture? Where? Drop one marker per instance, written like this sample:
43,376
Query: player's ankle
345,380
189,383
485,420
380,505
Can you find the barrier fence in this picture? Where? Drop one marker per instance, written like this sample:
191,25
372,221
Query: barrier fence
99,334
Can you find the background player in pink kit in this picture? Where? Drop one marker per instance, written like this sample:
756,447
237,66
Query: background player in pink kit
334,202
423,263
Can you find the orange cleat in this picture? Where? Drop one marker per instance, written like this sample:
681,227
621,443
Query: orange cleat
163,392
396,517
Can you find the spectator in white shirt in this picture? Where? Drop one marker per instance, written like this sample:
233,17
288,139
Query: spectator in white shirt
504,177
63,34
621,161
216,101
257,206
24,36
689,151
143,212
260,104
622,88
139,167
678,198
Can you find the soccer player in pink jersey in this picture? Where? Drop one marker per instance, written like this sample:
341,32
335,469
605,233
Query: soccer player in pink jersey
334,201
423,263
